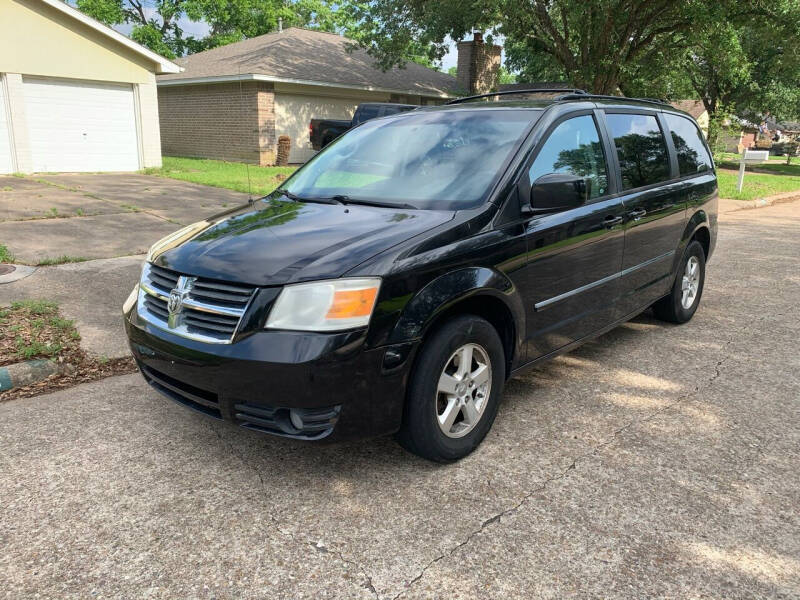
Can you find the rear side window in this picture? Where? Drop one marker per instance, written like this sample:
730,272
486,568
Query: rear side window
689,146
574,147
641,149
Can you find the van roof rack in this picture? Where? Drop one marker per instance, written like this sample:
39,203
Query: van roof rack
566,91
585,96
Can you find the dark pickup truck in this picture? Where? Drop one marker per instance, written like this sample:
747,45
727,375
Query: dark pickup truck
323,131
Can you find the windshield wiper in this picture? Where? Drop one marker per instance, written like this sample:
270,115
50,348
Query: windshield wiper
341,198
297,198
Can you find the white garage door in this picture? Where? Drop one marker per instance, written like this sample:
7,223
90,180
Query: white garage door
293,112
81,126
6,165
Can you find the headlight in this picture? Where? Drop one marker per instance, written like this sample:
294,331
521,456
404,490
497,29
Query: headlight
131,300
325,305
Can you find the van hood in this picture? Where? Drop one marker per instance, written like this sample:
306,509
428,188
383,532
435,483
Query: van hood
273,242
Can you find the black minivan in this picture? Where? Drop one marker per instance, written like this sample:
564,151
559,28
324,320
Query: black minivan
398,279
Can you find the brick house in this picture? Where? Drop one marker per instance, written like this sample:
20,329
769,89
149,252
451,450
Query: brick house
232,102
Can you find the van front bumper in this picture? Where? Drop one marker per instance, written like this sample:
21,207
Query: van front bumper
309,386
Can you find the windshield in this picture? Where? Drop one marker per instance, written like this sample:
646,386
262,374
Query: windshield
444,160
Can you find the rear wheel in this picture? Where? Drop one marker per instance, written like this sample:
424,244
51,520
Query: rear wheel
454,391
681,303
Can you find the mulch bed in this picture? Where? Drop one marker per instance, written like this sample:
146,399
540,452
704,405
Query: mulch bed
34,330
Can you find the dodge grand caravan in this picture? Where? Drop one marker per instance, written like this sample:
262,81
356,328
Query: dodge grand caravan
394,282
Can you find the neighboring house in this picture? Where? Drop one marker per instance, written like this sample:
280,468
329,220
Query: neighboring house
738,135
75,95
232,102
697,109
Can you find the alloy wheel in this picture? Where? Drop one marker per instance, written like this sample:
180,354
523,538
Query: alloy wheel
463,390
690,282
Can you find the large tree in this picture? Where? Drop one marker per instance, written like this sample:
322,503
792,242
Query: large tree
590,44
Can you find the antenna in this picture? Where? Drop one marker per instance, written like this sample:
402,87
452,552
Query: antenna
247,164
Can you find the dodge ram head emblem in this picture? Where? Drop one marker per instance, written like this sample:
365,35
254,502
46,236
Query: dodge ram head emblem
175,302
176,299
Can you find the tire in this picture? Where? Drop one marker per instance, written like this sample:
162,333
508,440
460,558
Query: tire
672,307
474,406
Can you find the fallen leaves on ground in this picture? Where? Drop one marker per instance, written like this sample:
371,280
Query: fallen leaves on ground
34,329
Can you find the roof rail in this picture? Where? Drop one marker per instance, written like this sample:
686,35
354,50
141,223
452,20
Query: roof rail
586,96
567,91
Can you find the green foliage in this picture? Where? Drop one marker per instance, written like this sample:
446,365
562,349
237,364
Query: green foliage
60,260
163,42
791,151
156,24
504,76
110,12
5,255
32,349
392,31
716,126
589,44
36,307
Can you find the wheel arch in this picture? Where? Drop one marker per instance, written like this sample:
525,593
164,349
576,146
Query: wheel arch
481,291
697,228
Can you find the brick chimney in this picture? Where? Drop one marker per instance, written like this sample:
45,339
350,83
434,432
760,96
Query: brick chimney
478,65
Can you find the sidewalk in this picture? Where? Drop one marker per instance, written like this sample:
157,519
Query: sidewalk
727,205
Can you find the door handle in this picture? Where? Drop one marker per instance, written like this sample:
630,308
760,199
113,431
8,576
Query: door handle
637,214
609,221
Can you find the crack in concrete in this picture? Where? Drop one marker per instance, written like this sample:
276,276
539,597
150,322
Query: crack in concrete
368,585
243,459
595,451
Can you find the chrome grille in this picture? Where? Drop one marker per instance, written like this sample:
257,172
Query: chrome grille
202,309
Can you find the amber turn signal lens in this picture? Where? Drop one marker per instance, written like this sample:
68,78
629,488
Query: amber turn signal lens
352,303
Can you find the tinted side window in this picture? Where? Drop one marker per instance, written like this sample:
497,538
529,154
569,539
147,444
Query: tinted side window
692,154
574,147
641,149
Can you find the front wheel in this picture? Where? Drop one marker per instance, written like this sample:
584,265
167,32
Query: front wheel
454,390
681,303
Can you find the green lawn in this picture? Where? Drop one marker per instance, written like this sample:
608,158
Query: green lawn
218,173
756,185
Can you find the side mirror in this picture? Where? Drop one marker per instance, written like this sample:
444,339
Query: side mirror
559,191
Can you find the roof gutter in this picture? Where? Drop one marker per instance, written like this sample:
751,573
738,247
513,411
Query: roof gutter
270,78
163,66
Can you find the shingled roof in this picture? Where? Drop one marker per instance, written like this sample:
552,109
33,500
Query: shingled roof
693,107
312,57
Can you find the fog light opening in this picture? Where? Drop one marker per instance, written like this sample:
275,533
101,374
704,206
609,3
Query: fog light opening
296,420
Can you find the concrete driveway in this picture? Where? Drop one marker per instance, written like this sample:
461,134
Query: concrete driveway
99,216
657,461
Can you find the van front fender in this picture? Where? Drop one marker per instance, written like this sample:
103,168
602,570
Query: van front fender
493,289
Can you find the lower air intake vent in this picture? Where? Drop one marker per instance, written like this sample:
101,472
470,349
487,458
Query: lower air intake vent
306,423
183,393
